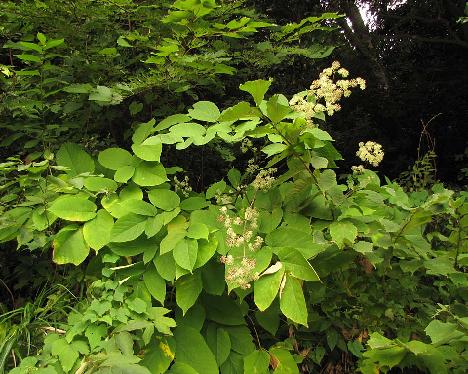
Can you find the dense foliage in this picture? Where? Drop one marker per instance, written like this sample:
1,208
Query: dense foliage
163,209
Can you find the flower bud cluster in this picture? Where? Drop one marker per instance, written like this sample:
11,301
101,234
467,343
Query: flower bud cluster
242,272
324,93
183,186
247,145
264,179
370,152
358,169
252,167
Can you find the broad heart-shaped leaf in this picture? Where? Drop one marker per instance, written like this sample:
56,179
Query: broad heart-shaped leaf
185,253
343,233
115,158
193,350
128,228
266,288
188,288
69,246
150,174
277,108
204,111
283,361
73,208
149,150
155,284
257,89
97,232
164,199
292,302
219,342
73,157
257,363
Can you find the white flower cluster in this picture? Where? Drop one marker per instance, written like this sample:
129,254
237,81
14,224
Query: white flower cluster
370,152
358,169
241,270
324,93
183,186
264,179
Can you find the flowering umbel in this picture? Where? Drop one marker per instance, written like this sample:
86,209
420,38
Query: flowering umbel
325,93
370,152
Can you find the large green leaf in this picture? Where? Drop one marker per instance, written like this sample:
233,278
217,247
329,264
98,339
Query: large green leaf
155,284
150,174
185,253
257,89
292,302
204,111
188,288
164,199
219,342
69,246
73,157
128,228
115,158
149,150
100,184
283,360
97,232
73,208
257,363
193,350
266,288
277,108
343,233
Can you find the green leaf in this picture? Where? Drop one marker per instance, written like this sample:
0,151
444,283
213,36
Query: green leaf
257,89
295,263
204,111
128,228
219,342
266,288
73,208
164,199
159,356
277,108
175,233
273,149
172,120
198,230
73,157
100,184
115,158
148,174
134,247
97,232
216,189
241,110
223,310
257,363
284,362
185,253
166,266
140,207
155,283
188,288
442,332
343,233
65,352
193,350
124,173
292,302
149,150
181,368
69,246
194,203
